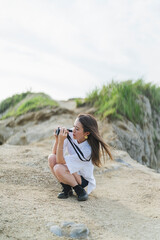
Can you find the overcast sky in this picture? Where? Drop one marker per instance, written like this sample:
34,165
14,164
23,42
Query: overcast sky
66,48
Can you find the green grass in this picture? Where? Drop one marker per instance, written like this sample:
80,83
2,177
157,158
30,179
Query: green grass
119,100
12,101
30,102
79,102
152,92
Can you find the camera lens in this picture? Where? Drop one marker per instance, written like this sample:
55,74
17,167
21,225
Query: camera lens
58,131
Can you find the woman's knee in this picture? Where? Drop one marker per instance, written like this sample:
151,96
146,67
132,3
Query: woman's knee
59,169
51,160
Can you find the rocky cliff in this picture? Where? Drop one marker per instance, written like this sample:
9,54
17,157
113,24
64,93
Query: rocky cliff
141,142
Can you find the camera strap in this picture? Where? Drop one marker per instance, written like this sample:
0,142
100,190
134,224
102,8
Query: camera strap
78,151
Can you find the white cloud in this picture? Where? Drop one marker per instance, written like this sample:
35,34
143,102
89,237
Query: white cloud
61,46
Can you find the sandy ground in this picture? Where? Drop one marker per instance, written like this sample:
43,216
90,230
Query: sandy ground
125,204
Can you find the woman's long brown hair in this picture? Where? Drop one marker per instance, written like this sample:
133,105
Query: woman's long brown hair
96,142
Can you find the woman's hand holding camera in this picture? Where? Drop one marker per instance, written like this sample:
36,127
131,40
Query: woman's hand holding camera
62,134
55,135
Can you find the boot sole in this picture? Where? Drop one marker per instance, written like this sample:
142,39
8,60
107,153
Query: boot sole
63,196
83,198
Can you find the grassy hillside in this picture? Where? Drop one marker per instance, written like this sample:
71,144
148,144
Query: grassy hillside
20,104
118,100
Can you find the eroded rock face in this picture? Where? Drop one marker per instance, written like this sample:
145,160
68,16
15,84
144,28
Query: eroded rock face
33,127
142,143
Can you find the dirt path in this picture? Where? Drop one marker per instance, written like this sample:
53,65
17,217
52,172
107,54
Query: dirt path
124,206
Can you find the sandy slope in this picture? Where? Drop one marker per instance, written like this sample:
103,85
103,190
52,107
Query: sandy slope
125,204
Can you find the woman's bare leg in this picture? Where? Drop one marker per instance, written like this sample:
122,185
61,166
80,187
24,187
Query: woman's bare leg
78,178
69,180
63,175
52,162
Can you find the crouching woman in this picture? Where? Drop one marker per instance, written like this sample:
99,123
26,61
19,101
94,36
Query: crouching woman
73,171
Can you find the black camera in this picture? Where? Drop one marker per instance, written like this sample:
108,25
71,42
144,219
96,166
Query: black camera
58,131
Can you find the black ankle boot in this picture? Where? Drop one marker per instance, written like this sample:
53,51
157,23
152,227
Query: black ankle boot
66,191
81,193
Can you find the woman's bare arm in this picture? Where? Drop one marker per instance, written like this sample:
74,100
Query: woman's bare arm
61,137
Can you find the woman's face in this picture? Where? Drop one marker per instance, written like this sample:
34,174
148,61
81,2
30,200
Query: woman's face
78,132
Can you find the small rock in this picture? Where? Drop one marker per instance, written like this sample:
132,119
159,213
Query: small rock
67,224
56,230
79,231
70,229
123,162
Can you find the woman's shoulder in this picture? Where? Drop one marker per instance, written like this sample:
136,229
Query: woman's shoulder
86,147
84,144
87,144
